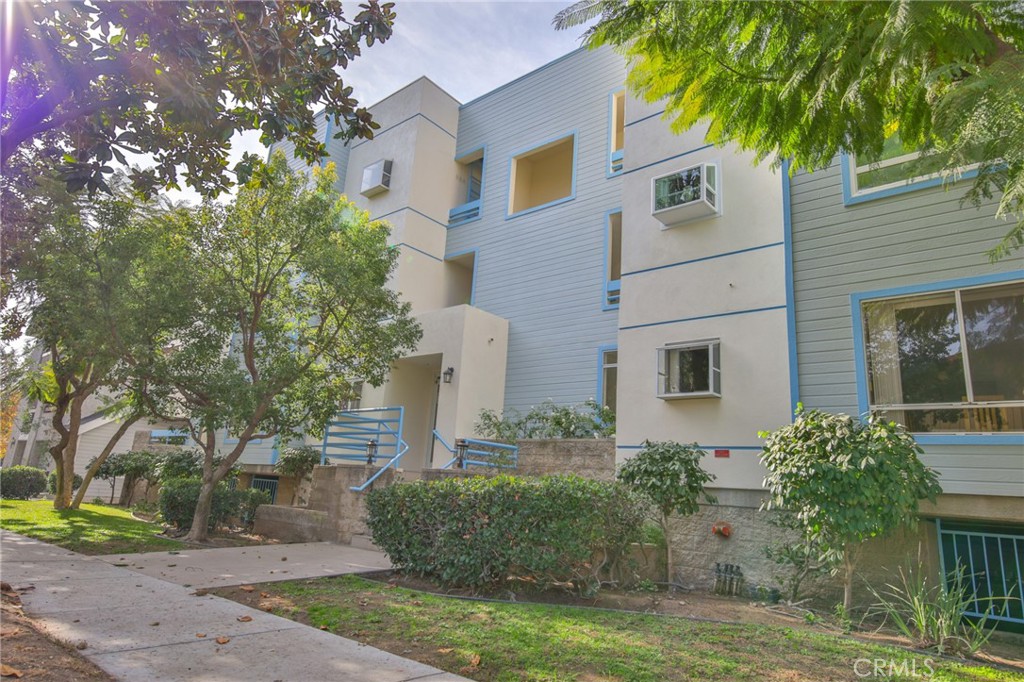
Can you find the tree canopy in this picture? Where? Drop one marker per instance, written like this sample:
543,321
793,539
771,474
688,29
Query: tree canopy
289,308
100,79
805,81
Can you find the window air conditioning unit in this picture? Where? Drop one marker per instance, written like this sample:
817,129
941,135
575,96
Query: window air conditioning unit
376,178
686,195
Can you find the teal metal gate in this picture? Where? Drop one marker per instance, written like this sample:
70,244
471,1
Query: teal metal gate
992,558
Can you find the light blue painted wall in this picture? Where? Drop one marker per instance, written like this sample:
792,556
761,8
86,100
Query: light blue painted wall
543,271
916,238
337,151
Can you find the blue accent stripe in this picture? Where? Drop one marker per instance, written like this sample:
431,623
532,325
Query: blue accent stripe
641,120
703,258
655,163
787,238
847,164
429,255
378,133
410,208
702,317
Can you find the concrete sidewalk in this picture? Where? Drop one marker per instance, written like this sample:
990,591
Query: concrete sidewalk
241,565
141,628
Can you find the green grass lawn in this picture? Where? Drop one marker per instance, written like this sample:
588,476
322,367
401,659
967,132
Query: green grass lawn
499,641
92,529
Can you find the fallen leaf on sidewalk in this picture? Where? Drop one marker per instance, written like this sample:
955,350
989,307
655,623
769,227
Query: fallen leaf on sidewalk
200,635
154,623
200,593
244,619
247,588
7,632
8,671
223,640
323,627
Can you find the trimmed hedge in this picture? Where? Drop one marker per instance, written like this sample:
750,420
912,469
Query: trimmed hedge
179,497
51,483
482,532
21,482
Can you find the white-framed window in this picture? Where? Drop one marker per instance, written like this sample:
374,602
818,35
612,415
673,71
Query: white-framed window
692,369
686,195
948,361
895,170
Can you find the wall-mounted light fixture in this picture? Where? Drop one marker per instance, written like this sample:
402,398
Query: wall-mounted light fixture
448,374
461,446
371,451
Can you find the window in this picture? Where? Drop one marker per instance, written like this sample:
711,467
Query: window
376,178
613,260
948,361
470,178
543,176
609,378
617,131
267,484
896,170
690,370
686,195
168,437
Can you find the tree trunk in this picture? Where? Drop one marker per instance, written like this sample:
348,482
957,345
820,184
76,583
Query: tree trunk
847,579
66,469
668,550
200,530
127,489
113,484
107,449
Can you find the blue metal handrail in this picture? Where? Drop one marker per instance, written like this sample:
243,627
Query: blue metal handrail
393,463
507,461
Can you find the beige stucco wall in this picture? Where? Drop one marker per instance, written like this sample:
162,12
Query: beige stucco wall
693,285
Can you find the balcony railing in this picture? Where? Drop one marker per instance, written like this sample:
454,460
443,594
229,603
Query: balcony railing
464,213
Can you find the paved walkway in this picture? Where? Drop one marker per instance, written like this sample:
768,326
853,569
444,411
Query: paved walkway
141,628
259,564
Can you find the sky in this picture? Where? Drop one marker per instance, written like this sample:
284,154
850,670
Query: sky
468,48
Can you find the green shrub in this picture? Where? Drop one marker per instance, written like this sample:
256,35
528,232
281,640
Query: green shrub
179,496
51,483
481,532
548,420
21,482
247,501
179,464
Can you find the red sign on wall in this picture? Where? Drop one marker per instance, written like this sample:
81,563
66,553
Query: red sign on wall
721,453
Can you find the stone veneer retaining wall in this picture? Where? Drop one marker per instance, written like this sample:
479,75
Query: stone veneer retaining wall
335,513
586,457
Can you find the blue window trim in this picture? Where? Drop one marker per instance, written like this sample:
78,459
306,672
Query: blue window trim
483,184
228,440
851,196
614,155
575,135
787,245
610,285
476,268
860,357
601,350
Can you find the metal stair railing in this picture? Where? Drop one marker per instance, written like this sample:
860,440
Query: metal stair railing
349,433
477,452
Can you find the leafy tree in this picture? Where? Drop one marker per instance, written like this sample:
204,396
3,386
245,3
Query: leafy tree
671,476
93,292
291,309
846,481
297,462
99,80
104,470
807,80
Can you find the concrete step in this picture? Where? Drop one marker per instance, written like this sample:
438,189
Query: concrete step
364,542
